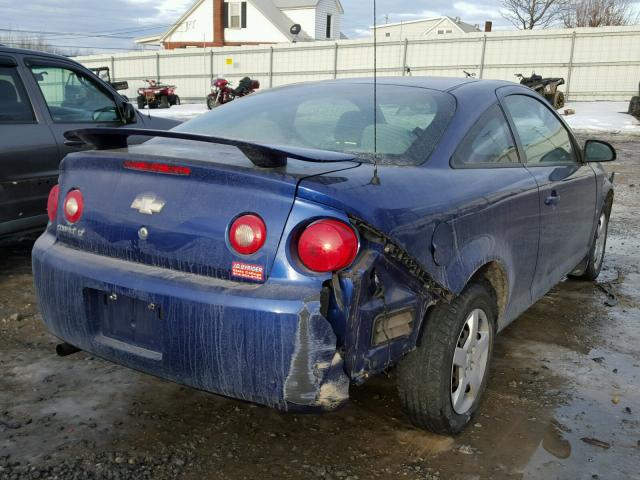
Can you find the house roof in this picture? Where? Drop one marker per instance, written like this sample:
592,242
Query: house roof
269,8
302,4
463,26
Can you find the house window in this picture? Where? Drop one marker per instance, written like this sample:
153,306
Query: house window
449,31
388,34
236,15
440,32
329,18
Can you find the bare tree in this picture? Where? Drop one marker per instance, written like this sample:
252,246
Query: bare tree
599,13
529,14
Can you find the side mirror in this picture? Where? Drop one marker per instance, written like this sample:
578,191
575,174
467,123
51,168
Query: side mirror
128,113
598,151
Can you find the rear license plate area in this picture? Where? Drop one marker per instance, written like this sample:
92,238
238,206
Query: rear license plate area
126,319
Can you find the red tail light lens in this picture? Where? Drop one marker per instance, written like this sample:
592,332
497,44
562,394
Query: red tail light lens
327,246
157,168
52,203
73,206
247,234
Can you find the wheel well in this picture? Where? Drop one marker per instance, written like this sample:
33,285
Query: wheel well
608,203
494,274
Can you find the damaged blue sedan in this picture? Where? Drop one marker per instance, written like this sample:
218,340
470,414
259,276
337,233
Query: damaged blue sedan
287,245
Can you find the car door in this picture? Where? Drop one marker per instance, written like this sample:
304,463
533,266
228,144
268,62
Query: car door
73,99
28,155
488,166
566,185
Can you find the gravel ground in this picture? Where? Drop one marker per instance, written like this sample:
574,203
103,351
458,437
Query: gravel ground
563,399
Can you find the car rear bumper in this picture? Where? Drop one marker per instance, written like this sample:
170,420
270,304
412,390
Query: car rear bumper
267,344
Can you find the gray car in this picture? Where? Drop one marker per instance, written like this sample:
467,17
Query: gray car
41,97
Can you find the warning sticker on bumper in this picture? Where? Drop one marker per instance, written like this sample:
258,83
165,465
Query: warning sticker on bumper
248,271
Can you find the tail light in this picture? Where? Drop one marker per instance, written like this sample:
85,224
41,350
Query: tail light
247,234
73,206
327,246
52,203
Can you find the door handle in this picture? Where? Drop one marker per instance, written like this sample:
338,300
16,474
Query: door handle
553,199
74,143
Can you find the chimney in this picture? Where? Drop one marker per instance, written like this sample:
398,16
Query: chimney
219,21
488,26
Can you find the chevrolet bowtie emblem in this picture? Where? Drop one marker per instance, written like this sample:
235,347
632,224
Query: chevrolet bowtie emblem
148,203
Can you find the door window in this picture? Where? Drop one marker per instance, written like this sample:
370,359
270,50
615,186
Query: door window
73,98
489,143
14,103
544,139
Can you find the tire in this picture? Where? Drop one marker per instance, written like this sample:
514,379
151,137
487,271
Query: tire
428,379
596,254
164,102
141,102
212,103
174,100
558,100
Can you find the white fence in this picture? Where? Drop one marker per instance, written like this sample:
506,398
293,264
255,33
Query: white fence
597,63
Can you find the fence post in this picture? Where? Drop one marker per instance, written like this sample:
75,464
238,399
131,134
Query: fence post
158,67
404,57
335,62
113,69
573,45
270,67
484,51
211,73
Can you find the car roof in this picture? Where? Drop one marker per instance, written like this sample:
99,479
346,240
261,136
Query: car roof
442,84
22,51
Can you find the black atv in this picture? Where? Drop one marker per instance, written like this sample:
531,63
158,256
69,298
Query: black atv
547,87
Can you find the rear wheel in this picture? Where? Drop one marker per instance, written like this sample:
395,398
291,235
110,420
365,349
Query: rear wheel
558,100
174,100
141,102
441,382
164,101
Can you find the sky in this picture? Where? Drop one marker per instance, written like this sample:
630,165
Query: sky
66,23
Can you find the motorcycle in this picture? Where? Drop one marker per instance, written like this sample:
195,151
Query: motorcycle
547,87
222,92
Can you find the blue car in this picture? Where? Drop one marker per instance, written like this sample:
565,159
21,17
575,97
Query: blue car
289,244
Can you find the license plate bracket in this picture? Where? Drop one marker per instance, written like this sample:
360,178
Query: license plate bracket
127,319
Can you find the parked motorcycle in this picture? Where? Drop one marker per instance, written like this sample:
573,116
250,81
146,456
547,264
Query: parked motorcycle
222,92
547,87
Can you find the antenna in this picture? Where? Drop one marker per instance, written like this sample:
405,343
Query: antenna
375,180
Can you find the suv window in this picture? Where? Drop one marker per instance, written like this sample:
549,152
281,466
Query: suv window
544,139
14,103
72,97
488,143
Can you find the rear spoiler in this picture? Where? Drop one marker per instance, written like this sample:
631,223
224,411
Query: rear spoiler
261,155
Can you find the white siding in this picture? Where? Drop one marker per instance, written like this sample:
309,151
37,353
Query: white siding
197,27
324,8
259,29
306,17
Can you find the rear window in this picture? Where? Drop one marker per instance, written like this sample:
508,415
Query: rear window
14,104
337,117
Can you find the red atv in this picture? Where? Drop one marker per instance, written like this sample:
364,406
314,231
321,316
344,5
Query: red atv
222,92
157,95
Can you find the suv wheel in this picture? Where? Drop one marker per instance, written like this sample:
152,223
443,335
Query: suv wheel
441,382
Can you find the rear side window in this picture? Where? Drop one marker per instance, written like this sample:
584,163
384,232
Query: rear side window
489,143
544,139
14,103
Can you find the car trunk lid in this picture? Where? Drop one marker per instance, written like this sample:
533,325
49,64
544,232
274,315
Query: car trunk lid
179,221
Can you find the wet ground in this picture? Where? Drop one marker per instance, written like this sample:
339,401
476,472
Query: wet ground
563,399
